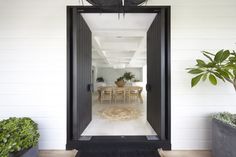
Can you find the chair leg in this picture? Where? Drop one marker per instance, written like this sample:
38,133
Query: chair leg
124,98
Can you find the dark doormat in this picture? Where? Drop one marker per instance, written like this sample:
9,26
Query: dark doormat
122,153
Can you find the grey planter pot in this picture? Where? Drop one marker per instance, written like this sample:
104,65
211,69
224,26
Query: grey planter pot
32,152
223,139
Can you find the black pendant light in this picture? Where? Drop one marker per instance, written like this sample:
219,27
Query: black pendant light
115,3
105,3
133,2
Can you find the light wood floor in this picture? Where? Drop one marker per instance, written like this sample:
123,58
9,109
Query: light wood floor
166,154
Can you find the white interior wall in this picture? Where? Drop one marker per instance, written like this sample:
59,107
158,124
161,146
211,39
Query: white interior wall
110,74
33,66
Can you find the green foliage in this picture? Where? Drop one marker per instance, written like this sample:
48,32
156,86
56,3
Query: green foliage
128,76
196,79
226,117
221,65
100,79
120,78
212,79
17,134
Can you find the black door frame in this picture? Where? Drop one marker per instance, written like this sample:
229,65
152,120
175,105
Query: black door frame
118,142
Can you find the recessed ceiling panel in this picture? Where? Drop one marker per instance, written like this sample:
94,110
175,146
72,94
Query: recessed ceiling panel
119,41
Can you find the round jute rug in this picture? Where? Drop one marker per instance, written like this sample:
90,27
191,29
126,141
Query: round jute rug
120,113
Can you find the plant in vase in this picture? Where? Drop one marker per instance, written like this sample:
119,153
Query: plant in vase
219,66
128,76
19,137
120,82
100,79
224,135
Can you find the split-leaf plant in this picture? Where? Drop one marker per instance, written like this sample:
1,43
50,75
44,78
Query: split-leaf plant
218,66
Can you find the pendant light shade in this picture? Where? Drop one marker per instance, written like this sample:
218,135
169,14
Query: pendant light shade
105,3
134,2
117,3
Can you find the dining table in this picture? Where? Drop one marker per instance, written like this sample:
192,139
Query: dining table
128,92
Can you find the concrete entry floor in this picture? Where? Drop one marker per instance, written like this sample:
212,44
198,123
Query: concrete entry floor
106,120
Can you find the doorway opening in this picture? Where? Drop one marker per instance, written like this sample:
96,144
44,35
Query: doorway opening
119,74
118,78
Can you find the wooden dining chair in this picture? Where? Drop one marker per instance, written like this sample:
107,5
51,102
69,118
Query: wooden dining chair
106,94
135,94
119,94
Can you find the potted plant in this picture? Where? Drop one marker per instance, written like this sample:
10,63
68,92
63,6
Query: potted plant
220,66
18,138
100,79
224,135
120,82
128,76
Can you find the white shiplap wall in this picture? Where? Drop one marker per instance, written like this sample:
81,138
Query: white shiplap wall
33,66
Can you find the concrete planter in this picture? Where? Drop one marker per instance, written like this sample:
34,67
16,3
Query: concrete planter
223,139
32,152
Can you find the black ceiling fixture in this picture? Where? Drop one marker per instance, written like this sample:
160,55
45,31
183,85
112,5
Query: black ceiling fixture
116,3
105,3
134,2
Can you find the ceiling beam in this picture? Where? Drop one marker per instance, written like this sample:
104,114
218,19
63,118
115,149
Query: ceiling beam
120,32
142,45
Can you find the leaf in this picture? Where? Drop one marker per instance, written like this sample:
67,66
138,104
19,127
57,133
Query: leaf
204,77
195,71
208,53
232,59
212,79
225,55
219,76
200,63
234,72
230,66
223,73
221,56
229,73
218,56
208,57
195,80
211,65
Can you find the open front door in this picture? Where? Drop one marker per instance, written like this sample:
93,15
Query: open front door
81,74
156,74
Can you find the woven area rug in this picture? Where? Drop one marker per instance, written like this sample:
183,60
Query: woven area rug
120,113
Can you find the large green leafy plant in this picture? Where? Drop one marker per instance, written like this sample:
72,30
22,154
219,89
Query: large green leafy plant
17,134
128,76
219,66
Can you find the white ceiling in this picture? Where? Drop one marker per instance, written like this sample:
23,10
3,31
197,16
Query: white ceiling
119,42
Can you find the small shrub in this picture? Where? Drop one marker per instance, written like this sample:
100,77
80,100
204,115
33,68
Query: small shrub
226,117
17,134
100,79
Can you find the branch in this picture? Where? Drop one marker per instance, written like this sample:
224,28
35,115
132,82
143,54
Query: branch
229,80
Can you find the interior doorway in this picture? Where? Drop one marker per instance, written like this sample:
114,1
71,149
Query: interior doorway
85,99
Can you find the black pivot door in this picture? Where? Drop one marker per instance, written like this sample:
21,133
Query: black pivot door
156,74
79,108
81,74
